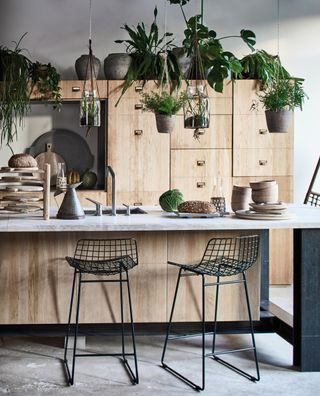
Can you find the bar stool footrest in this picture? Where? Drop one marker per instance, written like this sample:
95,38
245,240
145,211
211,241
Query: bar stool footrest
181,377
235,369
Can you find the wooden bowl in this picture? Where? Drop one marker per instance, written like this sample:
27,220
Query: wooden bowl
268,194
240,198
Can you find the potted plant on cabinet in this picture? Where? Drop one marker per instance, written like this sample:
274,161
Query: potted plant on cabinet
45,83
146,49
280,98
165,106
15,92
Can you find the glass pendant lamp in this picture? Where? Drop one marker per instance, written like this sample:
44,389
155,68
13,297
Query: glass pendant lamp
90,103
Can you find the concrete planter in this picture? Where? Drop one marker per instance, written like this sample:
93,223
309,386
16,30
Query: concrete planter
278,121
116,66
165,123
83,68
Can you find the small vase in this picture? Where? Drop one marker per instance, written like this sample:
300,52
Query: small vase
165,123
83,68
278,121
116,66
240,198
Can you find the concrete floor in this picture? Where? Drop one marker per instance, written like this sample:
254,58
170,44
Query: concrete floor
33,366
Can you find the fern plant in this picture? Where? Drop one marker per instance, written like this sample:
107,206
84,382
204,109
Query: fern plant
163,103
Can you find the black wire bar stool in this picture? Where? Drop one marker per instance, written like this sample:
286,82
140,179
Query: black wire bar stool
102,257
223,257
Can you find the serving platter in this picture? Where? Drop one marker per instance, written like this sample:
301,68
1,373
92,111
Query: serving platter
197,215
252,215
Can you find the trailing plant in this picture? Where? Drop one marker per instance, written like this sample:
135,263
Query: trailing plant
164,102
284,94
45,82
145,48
14,93
262,66
217,63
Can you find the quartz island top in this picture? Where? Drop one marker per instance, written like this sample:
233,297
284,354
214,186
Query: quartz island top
157,220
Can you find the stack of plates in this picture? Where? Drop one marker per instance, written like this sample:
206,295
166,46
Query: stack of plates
265,211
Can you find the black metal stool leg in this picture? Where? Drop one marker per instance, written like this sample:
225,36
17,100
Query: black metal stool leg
122,321
76,331
135,378
251,328
203,354
216,315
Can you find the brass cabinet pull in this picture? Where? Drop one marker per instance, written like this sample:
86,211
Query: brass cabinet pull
201,184
75,89
201,163
137,204
263,131
138,132
138,106
200,132
139,88
263,162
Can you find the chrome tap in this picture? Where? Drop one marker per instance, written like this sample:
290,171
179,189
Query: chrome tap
110,170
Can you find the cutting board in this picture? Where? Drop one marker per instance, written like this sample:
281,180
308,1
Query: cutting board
51,158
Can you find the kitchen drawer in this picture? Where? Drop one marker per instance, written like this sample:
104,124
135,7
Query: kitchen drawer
133,92
200,163
250,131
219,135
72,89
262,162
246,97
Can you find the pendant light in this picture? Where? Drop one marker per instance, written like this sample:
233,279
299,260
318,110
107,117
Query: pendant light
197,108
90,103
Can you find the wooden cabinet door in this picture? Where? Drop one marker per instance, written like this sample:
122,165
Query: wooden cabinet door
262,162
72,89
138,154
201,174
246,97
250,131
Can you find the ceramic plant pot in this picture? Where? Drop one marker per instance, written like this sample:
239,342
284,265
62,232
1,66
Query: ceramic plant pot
278,121
165,123
116,66
83,68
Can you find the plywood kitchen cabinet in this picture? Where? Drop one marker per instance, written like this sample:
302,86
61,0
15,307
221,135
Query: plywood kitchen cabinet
202,168
138,154
260,155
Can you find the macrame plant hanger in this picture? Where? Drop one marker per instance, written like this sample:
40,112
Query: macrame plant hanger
90,102
197,107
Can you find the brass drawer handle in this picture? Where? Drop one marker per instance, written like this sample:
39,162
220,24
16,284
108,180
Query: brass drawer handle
263,162
137,204
138,132
263,131
75,89
200,132
139,88
201,163
201,184
138,106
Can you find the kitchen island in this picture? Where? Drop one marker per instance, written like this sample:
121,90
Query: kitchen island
35,279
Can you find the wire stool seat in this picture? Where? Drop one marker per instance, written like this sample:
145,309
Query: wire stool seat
223,257
102,257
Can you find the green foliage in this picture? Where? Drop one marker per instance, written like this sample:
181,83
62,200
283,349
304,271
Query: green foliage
45,79
163,103
284,94
262,66
170,200
14,93
145,48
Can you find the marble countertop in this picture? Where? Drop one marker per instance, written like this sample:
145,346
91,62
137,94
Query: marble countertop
156,220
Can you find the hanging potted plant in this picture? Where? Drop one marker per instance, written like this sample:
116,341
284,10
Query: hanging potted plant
280,98
165,106
45,83
15,91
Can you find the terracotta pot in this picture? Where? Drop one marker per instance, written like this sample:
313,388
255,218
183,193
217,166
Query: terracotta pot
278,121
165,123
83,68
265,191
240,198
116,66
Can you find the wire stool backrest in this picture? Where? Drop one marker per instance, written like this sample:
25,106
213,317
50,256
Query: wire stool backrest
314,199
240,253
106,249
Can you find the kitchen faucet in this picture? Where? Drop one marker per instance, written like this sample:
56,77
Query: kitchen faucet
110,170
